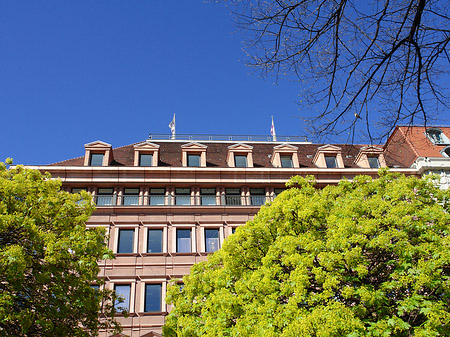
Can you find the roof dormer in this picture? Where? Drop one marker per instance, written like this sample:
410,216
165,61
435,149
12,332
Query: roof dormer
193,155
285,155
437,137
370,157
328,156
240,155
98,153
146,154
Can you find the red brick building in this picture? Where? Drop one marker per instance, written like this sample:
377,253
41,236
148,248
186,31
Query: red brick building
167,203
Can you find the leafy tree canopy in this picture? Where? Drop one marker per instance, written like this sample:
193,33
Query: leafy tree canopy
48,259
364,258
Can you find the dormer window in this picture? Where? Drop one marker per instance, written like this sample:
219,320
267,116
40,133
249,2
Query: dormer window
146,159
193,155
240,155
96,159
437,137
146,154
240,160
328,156
193,160
285,156
286,161
446,151
98,154
331,161
370,157
373,162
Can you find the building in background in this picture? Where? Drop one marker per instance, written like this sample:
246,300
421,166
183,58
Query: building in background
169,203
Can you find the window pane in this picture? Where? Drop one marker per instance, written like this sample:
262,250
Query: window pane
96,159
183,240
211,240
123,290
373,162
233,230
208,196
157,196
105,197
154,241
152,298
145,159
286,161
182,196
240,161
131,196
126,238
331,162
78,189
257,196
193,160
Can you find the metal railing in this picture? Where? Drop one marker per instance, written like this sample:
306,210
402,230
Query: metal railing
257,200
177,200
233,200
255,138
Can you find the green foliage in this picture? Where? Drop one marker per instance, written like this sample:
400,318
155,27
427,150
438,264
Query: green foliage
364,258
48,259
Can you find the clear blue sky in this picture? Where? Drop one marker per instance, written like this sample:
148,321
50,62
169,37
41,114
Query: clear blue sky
72,72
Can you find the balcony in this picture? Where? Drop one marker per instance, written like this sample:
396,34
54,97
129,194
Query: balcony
233,200
208,200
105,200
130,200
257,200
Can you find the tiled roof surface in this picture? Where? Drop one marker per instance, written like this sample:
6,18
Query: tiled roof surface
216,154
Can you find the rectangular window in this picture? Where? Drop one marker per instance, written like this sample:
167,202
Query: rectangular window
211,240
152,298
96,159
233,230
331,161
154,241
145,159
105,197
183,240
208,196
373,162
286,161
193,160
182,196
240,160
126,241
156,196
257,196
131,196
277,191
124,292
78,189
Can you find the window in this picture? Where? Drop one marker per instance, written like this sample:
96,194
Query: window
211,240
96,159
156,196
145,159
330,161
207,196
233,230
240,160
193,160
154,240
105,197
78,189
373,162
182,196
257,196
286,161
126,241
131,196
183,240
446,151
152,301
277,191
233,196
124,292
437,137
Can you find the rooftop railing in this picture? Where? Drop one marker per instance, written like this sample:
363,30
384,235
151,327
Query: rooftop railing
240,138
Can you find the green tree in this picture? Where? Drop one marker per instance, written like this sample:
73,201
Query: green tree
48,259
364,258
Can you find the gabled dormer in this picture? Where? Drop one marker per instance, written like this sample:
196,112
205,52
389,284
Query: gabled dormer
98,153
285,155
146,154
370,157
328,156
193,155
240,155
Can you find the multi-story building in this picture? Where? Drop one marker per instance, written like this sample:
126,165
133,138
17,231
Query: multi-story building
169,203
